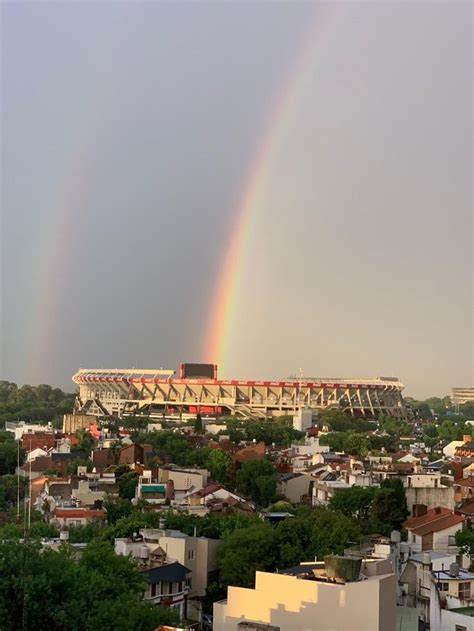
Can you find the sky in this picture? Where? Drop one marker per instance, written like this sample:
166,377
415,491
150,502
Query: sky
130,133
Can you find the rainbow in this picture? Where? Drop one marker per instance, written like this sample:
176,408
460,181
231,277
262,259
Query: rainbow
218,338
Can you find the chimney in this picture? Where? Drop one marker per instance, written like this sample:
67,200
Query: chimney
438,510
466,438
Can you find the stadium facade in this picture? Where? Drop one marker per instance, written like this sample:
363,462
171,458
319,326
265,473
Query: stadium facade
159,394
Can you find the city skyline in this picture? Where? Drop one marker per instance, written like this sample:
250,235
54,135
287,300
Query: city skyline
269,188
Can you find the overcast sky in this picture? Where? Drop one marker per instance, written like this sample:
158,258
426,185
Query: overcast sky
128,133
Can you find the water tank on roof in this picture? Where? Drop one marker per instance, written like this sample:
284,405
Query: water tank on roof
161,523
454,569
144,552
426,558
395,536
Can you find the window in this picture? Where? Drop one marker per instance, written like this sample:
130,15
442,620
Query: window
443,587
153,590
190,555
460,627
464,591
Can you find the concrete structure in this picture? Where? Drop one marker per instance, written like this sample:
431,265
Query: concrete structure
303,419
462,395
427,490
156,393
73,422
294,486
451,600
282,602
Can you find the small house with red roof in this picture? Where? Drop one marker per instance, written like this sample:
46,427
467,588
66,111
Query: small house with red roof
434,530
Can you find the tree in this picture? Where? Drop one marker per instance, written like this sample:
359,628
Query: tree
219,462
9,453
198,426
46,589
465,541
127,485
245,551
389,507
257,479
354,502
313,534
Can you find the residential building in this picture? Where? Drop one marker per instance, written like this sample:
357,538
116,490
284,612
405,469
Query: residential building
451,600
184,481
434,530
427,489
168,586
67,517
311,596
294,486
449,450
157,546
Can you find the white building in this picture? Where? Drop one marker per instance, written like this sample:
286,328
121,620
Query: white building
308,600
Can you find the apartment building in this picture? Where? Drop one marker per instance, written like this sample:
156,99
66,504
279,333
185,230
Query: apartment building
312,596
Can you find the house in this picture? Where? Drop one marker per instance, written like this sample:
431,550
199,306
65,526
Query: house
212,492
465,453
168,586
416,580
156,546
67,517
185,480
326,487
154,492
312,596
434,530
450,449
255,451
135,453
294,486
33,440
451,600
464,489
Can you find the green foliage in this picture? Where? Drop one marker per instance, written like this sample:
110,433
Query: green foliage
85,441
341,422
280,432
389,509
9,490
44,589
117,509
218,463
71,468
376,510
312,533
354,502
9,453
257,480
86,533
127,485
198,426
38,404
179,448
465,541
245,551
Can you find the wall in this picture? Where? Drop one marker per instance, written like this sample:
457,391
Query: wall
431,497
291,603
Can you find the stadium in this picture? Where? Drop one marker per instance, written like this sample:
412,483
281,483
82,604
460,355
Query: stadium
196,389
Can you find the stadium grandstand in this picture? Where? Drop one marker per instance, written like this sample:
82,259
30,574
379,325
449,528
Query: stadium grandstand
459,396
196,389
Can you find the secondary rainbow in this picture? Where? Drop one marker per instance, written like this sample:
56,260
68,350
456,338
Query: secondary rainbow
218,338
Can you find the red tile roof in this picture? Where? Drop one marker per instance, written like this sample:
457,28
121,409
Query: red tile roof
432,515
466,482
79,513
440,524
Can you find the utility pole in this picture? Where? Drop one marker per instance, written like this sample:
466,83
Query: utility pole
29,491
18,481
